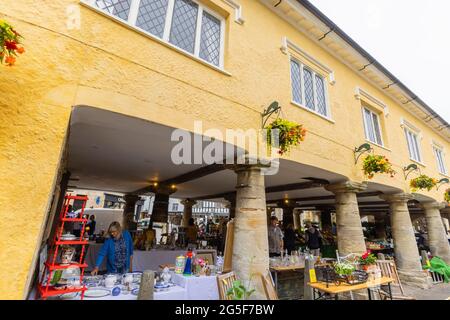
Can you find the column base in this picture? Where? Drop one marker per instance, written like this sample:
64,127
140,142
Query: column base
414,278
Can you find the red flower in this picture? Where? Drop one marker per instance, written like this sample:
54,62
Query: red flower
10,45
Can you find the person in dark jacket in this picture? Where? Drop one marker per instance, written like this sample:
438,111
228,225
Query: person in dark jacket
313,239
289,238
118,249
91,224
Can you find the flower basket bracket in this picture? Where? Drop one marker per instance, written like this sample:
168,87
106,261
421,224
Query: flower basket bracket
273,108
362,149
410,169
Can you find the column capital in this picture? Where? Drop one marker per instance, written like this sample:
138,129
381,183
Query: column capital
433,205
397,197
246,167
188,202
346,187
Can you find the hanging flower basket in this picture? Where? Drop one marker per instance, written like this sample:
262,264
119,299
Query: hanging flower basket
290,134
447,195
10,44
377,164
423,182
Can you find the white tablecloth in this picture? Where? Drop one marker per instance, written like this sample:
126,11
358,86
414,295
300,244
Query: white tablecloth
174,293
198,288
142,260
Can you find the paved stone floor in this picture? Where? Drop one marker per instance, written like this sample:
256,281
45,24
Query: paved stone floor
437,292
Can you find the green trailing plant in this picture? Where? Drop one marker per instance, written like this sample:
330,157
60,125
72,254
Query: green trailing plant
377,164
290,134
423,182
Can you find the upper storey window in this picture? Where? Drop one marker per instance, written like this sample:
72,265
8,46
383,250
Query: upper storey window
413,145
185,24
439,153
308,88
372,126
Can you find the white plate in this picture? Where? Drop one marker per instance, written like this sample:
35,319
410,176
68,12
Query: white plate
69,296
97,293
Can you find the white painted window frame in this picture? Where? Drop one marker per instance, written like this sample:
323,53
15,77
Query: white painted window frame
408,127
132,18
302,104
437,148
366,127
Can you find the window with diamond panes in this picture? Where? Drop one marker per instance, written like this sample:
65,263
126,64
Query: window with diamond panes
308,88
413,145
296,82
210,39
440,160
372,127
152,16
118,8
185,24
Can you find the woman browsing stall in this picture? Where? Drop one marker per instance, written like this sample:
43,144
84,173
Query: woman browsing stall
118,249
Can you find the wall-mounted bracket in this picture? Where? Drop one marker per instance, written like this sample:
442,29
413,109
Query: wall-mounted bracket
410,169
364,148
273,108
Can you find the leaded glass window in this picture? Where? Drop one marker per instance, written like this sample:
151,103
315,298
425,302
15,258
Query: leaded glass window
440,160
185,24
372,127
118,8
152,16
413,145
308,88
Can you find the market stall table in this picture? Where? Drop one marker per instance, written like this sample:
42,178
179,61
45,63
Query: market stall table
279,269
333,289
198,288
142,260
174,293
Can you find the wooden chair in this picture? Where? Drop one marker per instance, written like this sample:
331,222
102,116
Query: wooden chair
388,269
225,282
269,287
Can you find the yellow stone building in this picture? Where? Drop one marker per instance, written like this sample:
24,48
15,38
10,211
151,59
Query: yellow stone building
103,84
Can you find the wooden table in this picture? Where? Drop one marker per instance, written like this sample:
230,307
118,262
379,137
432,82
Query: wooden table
276,270
333,289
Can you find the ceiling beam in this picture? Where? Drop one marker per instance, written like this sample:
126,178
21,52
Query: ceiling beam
323,198
313,183
186,177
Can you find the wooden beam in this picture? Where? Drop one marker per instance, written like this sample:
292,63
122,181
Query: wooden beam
186,177
313,183
332,197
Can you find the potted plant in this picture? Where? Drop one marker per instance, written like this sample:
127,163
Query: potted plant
367,260
447,195
344,270
423,182
290,134
9,44
377,164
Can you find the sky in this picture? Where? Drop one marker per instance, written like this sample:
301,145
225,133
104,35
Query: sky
411,38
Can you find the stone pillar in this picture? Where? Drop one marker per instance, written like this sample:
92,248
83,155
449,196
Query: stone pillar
380,226
297,223
160,211
128,222
250,245
437,237
187,213
405,246
350,235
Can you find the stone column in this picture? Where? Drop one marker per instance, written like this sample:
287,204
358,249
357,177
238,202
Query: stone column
297,223
128,222
405,246
250,246
437,237
160,211
187,213
350,235
446,214
380,226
